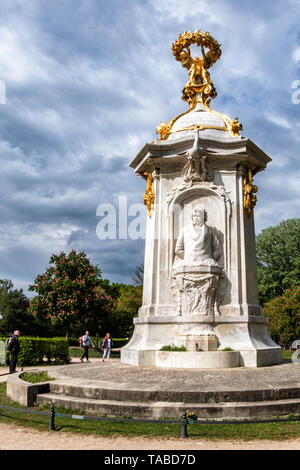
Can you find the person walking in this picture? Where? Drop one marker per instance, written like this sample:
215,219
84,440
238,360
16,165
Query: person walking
86,342
106,346
13,347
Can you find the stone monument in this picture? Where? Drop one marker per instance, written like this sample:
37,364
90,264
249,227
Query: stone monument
200,281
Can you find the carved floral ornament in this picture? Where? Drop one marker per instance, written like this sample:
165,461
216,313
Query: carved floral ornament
199,88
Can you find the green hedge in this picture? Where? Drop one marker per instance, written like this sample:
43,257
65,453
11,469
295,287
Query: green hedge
33,351
118,342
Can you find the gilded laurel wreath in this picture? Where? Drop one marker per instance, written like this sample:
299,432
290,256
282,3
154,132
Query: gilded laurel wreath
186,39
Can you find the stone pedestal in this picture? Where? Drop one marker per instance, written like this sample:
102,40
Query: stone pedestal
189,171
201,343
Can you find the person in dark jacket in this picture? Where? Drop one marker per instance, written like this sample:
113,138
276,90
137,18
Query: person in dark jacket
86,342
14,349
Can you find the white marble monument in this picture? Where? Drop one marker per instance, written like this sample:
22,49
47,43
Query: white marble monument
200,282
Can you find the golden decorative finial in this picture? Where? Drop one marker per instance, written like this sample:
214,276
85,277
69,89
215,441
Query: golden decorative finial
249,198
149,193
199,87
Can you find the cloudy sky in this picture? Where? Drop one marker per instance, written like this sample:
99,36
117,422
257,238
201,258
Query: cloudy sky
88,81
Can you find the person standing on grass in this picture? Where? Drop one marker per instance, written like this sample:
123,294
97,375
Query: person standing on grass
106,346
86,342
13,347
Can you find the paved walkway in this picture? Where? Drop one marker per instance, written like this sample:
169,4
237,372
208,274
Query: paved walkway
74,360
121,376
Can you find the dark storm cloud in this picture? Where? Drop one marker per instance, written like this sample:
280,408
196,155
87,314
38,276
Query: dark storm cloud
87,83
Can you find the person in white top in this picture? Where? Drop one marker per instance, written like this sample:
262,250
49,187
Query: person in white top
86,342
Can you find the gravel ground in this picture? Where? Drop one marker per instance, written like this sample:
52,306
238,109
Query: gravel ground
20,438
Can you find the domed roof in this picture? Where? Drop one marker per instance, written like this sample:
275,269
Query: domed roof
210,125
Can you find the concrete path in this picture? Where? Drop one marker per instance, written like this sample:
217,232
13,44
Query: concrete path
4,371
118,376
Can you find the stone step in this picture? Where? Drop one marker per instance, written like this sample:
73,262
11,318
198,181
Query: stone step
173,410
185,396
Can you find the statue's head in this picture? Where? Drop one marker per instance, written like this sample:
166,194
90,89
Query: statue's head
186,59
199,215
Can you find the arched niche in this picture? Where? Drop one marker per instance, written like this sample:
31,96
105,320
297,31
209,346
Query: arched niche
218,206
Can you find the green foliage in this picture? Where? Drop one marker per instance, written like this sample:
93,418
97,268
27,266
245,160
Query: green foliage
284,316
278,259
139,276
227,349
35,377
119,342
99,319
172,348
14,309
67,291
126,308
34,350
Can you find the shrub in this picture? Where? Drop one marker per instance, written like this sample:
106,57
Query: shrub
172,348
34,350
74,341
284,316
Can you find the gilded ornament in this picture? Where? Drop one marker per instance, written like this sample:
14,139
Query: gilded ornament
249,197
199,88
149,193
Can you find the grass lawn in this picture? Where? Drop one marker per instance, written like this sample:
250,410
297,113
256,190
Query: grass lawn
34,377
287,354
273,431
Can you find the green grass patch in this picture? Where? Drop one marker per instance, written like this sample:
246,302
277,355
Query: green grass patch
36,377
287,354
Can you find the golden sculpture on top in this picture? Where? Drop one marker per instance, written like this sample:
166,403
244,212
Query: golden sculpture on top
199,88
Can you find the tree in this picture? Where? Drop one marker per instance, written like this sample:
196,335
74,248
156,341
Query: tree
14,310
139,275
126,308
278,259
284,316
66,292
99,318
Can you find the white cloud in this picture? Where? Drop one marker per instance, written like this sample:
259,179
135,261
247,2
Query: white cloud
87,84
296,54
278,120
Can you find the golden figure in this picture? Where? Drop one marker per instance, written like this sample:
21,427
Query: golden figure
199,87
249,197
149,193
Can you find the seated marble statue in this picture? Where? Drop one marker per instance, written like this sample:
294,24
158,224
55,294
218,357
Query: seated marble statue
197,244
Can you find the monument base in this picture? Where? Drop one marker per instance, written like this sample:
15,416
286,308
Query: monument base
247,337
202,360
183,360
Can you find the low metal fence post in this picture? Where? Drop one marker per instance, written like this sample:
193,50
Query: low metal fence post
52,418
184,425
